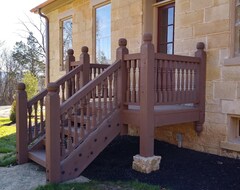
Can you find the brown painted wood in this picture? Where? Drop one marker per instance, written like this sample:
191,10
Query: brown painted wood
21,124
52,134
146,98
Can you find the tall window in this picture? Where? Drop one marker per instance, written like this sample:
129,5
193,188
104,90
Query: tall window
103,34
237,29
166,28
66,39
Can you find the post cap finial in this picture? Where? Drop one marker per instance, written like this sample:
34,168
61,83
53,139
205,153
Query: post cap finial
21,86
84,49
52,87
200,45
147,37
122,42
70,52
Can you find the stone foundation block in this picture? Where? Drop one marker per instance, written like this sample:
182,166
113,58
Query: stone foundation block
146,164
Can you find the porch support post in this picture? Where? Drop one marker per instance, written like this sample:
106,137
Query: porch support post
147,97
146,162
122,82
53,133
21,124
202,86
85,60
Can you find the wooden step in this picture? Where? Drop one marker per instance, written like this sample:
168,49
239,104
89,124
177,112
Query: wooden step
38,156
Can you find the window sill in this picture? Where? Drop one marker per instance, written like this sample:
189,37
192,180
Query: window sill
234,146
235,61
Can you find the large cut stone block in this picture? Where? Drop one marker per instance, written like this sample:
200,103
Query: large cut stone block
146,164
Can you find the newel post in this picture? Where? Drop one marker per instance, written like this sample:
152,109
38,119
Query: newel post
85,60
122,78
21,124
69,58
202,85
146,162
53,133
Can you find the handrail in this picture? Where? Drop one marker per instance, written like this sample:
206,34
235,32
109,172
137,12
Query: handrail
64,78
88,87
97,65
177,57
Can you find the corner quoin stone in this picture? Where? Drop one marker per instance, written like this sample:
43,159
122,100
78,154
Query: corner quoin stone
146,164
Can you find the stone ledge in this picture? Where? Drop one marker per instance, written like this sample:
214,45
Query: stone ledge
230,146
146,164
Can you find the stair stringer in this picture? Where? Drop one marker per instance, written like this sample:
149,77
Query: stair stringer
93,145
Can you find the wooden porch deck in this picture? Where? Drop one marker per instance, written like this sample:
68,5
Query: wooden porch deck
92,104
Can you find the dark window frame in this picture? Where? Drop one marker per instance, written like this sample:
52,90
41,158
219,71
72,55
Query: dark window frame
163,25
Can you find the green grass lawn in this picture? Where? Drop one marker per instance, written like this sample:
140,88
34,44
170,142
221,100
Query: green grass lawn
7,142
94,185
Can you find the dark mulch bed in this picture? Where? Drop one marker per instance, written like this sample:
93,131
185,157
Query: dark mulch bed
179,169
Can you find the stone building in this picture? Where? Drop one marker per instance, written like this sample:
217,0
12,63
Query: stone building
177,26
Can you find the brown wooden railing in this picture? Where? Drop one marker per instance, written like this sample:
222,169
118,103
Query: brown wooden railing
68,85
76,107
86,109
132,62
176,79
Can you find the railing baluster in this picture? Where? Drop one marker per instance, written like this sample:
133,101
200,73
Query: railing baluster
182,81
187,82
75,114
178,82
105,91
168,72
115,89
164,81
35,120
99,103
110,92
94,108
159,80
134,81
62,135
88,123
82,123
41,117
173,81
128,97
69,129
30,124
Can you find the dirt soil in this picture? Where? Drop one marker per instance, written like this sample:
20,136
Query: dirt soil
180,169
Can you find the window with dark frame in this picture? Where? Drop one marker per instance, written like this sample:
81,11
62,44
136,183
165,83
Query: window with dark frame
165,40
66,40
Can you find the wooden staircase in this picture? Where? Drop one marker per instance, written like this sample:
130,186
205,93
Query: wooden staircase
68,124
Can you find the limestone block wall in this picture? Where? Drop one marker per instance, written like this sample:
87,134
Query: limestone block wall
208,21
126,23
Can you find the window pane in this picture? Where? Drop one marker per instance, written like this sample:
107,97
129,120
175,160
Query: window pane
103,34
170,34
170,48
170,15
66,38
